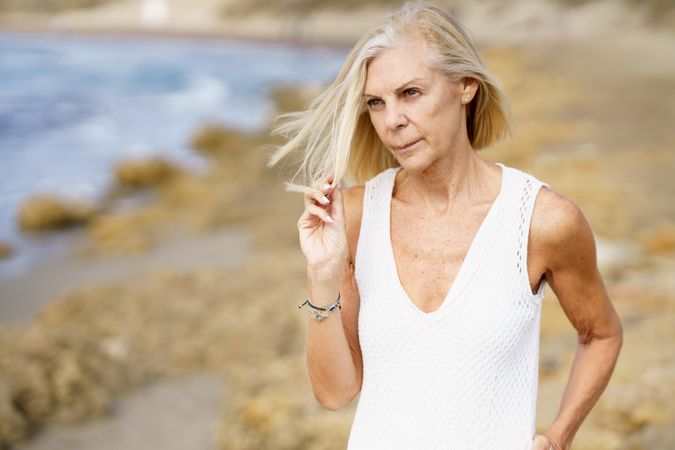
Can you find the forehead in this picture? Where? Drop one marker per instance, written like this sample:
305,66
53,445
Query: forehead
398,65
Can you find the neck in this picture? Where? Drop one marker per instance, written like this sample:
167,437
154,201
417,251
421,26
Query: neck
458,181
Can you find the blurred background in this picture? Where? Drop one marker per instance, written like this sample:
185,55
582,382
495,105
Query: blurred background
150,269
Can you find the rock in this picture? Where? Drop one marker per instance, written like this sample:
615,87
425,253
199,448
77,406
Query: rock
651,438
659,239
138,173
647,413
124,233
13,426
58,375
49,212
294,98
219,141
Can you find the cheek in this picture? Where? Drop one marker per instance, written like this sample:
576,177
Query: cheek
449,107
444,109
432,114
377,121
441,126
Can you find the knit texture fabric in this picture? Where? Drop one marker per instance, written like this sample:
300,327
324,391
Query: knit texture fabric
464,376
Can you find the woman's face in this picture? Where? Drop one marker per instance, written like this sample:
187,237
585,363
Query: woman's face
416,110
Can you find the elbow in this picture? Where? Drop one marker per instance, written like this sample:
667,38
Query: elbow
619,337
617,334
611,336
332,404
608,329
335,402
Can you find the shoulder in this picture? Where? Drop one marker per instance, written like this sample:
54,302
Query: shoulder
352,199
560,229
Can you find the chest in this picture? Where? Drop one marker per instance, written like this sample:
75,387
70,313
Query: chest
429,252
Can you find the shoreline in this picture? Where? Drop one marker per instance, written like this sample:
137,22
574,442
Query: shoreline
71,269
29,249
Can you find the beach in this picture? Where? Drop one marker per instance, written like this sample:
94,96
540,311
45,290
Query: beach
195,288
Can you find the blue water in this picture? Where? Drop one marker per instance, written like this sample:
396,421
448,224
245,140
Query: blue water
70,107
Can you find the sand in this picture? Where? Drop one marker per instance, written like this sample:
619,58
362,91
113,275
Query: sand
173,414
22,296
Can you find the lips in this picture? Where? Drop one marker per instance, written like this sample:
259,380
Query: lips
407,146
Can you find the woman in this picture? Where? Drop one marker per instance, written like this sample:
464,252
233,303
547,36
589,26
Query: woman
425,284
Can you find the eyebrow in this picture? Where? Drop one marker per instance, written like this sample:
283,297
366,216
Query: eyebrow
401,87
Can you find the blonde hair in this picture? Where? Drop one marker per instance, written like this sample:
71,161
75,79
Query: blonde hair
334,134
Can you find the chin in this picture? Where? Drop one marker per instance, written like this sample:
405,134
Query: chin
416,158
415,164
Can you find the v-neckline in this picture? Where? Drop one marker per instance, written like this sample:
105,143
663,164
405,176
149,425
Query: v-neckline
466,264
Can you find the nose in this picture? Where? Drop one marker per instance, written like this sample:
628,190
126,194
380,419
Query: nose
396,117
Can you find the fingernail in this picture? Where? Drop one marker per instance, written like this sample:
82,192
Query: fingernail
326,186
330,219
324,200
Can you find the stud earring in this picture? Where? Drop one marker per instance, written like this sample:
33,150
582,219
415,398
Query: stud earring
465,100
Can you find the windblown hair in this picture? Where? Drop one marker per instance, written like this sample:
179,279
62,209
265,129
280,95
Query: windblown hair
334,135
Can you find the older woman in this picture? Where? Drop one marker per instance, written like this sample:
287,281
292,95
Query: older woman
426,282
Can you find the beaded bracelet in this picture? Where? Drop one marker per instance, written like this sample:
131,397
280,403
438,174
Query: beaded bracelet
316,310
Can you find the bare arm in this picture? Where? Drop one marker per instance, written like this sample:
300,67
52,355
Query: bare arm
333,351
573,275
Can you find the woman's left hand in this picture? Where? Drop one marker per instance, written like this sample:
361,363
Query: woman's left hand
541,442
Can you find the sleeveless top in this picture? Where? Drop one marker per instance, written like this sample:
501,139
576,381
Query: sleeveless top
464,376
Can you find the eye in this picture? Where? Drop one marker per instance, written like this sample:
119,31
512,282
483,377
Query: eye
373,102
411,92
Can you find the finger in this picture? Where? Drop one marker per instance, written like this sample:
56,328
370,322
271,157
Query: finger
319,212
327,183
327,188
314,197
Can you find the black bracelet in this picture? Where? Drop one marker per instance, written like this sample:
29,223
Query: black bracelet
316,310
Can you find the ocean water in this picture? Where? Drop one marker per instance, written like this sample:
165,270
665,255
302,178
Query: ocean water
70,107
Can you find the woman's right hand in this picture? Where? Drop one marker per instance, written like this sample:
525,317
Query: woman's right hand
324,242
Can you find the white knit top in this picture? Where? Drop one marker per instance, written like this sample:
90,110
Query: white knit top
464,376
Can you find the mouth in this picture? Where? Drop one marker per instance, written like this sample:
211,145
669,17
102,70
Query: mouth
406,146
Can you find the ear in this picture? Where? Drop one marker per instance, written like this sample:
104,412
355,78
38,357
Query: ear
469,87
